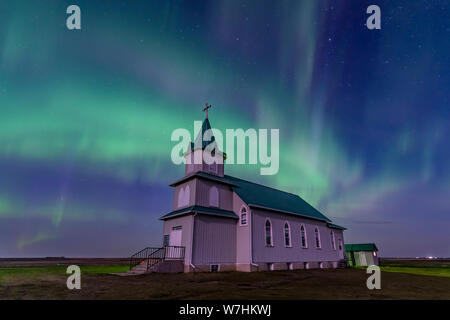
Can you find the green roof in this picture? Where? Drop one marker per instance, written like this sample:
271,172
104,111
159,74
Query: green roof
361,247
200,209
199,140
263,196
335,226
269,198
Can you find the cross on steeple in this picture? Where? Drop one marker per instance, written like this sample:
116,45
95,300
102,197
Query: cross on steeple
205,109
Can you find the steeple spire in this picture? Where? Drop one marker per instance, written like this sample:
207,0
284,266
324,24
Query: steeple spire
205,109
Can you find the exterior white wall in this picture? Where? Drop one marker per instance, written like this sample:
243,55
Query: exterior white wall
366,258
295,253
214,240
243,240
186,223
202,194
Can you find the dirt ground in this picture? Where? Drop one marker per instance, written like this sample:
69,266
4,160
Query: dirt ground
299,284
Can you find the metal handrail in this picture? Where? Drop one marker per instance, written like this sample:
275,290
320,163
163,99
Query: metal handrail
155,255
141,256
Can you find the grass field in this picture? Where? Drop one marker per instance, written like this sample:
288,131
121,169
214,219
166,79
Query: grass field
440,268
399,280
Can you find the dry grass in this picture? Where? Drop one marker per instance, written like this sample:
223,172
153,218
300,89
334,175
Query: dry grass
50,283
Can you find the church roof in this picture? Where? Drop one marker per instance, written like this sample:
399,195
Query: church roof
361,247
199,140
201,174
257,195
335,226
200,209
269,198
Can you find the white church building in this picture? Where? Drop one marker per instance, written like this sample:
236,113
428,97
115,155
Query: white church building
223,223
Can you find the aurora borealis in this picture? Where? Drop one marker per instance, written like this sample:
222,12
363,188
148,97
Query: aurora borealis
86,115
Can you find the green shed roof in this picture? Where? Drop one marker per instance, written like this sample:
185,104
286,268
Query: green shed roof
200,209
361,247
270,198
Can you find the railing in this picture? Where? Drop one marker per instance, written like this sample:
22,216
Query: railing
174,253
155,255
141,256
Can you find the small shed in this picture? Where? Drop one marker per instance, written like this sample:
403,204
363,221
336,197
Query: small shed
361,254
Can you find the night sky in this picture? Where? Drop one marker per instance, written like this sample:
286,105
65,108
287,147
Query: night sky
86,115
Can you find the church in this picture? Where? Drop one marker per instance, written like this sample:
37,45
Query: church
224,223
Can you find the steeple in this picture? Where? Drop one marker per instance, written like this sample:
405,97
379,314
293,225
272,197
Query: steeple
199,140
198,150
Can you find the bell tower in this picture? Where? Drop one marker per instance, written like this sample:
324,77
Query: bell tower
204,154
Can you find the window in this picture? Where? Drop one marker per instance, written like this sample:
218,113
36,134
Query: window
166,240
213,197
183,197
270,266
374,254
317,234
333,242
214,267
243,216
268,233
321,265
303,236
287,235
340,245
290,266
306,265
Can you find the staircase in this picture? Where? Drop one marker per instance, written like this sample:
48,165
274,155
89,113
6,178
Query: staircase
165,259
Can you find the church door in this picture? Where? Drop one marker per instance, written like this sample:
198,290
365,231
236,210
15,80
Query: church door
174,241
175,238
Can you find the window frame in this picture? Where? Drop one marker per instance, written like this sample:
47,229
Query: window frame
184,196
317,237
305,236
166,236
333,240
212,266
211,190
271,233
243,207
289,234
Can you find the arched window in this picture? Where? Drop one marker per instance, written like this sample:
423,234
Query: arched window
303,236
243,216
287,235
333,241
214,197
317,234
268,229
184,196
